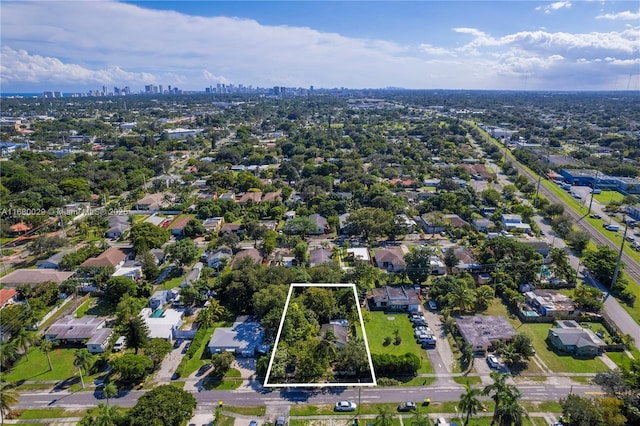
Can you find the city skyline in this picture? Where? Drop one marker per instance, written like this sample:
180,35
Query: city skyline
523,45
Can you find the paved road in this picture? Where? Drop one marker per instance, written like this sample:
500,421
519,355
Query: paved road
258,396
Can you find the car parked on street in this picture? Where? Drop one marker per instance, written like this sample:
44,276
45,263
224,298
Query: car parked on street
407,406
346,406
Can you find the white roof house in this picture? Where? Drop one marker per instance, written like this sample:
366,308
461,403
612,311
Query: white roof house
359,253
162,326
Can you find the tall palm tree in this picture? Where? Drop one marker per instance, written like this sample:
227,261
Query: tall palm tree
469,402
500,391
46,346
8,354
384,417
8,397
419,419
484,295
510,411
82,361
110,390
23,340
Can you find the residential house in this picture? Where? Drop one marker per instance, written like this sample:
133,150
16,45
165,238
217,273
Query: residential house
213,224
391,259
118,225
218,259
569,337
322,227
253,197
53,262
158,299
540,246
162,324
290,215
514,221
483,225
155,202
320,256
272,197
340,333
550,303
193,275
454,221
232,228
7,296
481,332
241,339
177,226
112,257
437,266
466,260
390,298
271,225
343,223
432,224
251,253
89,330
358,254
34,277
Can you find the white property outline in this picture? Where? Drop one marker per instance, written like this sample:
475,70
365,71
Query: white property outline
319,385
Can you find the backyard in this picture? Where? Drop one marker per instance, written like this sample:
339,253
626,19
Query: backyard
381,325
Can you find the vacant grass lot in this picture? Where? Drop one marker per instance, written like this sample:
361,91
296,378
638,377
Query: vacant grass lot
36,367
381,325
607,197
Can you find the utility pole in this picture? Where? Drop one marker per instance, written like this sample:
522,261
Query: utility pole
595,185
617,270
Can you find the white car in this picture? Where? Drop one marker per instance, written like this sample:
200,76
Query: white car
346,406
493,361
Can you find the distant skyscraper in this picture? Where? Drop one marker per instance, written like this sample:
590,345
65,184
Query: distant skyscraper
160,89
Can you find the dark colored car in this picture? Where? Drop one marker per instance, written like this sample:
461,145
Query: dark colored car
407,406
203,369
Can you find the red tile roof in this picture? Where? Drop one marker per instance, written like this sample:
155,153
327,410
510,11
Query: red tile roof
6,294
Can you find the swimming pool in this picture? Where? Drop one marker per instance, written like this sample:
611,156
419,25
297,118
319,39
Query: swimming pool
157,313
530,313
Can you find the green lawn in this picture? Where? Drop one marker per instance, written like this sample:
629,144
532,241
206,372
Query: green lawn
381,325
258,411
231,381
471,380
92,306
37,367
558,362
607,197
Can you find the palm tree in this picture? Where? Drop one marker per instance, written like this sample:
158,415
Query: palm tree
484,295
419,419
204,320
327,348
502,392
8,397
469,402
384,417
510,411
23,340
462,297
46,346
82,361
468,355
110,390
8,354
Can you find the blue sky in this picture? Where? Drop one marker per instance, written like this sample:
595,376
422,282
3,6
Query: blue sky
513,45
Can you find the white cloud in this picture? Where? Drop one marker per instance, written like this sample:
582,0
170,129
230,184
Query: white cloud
90,44
626,15
550,8
20,66
432,50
